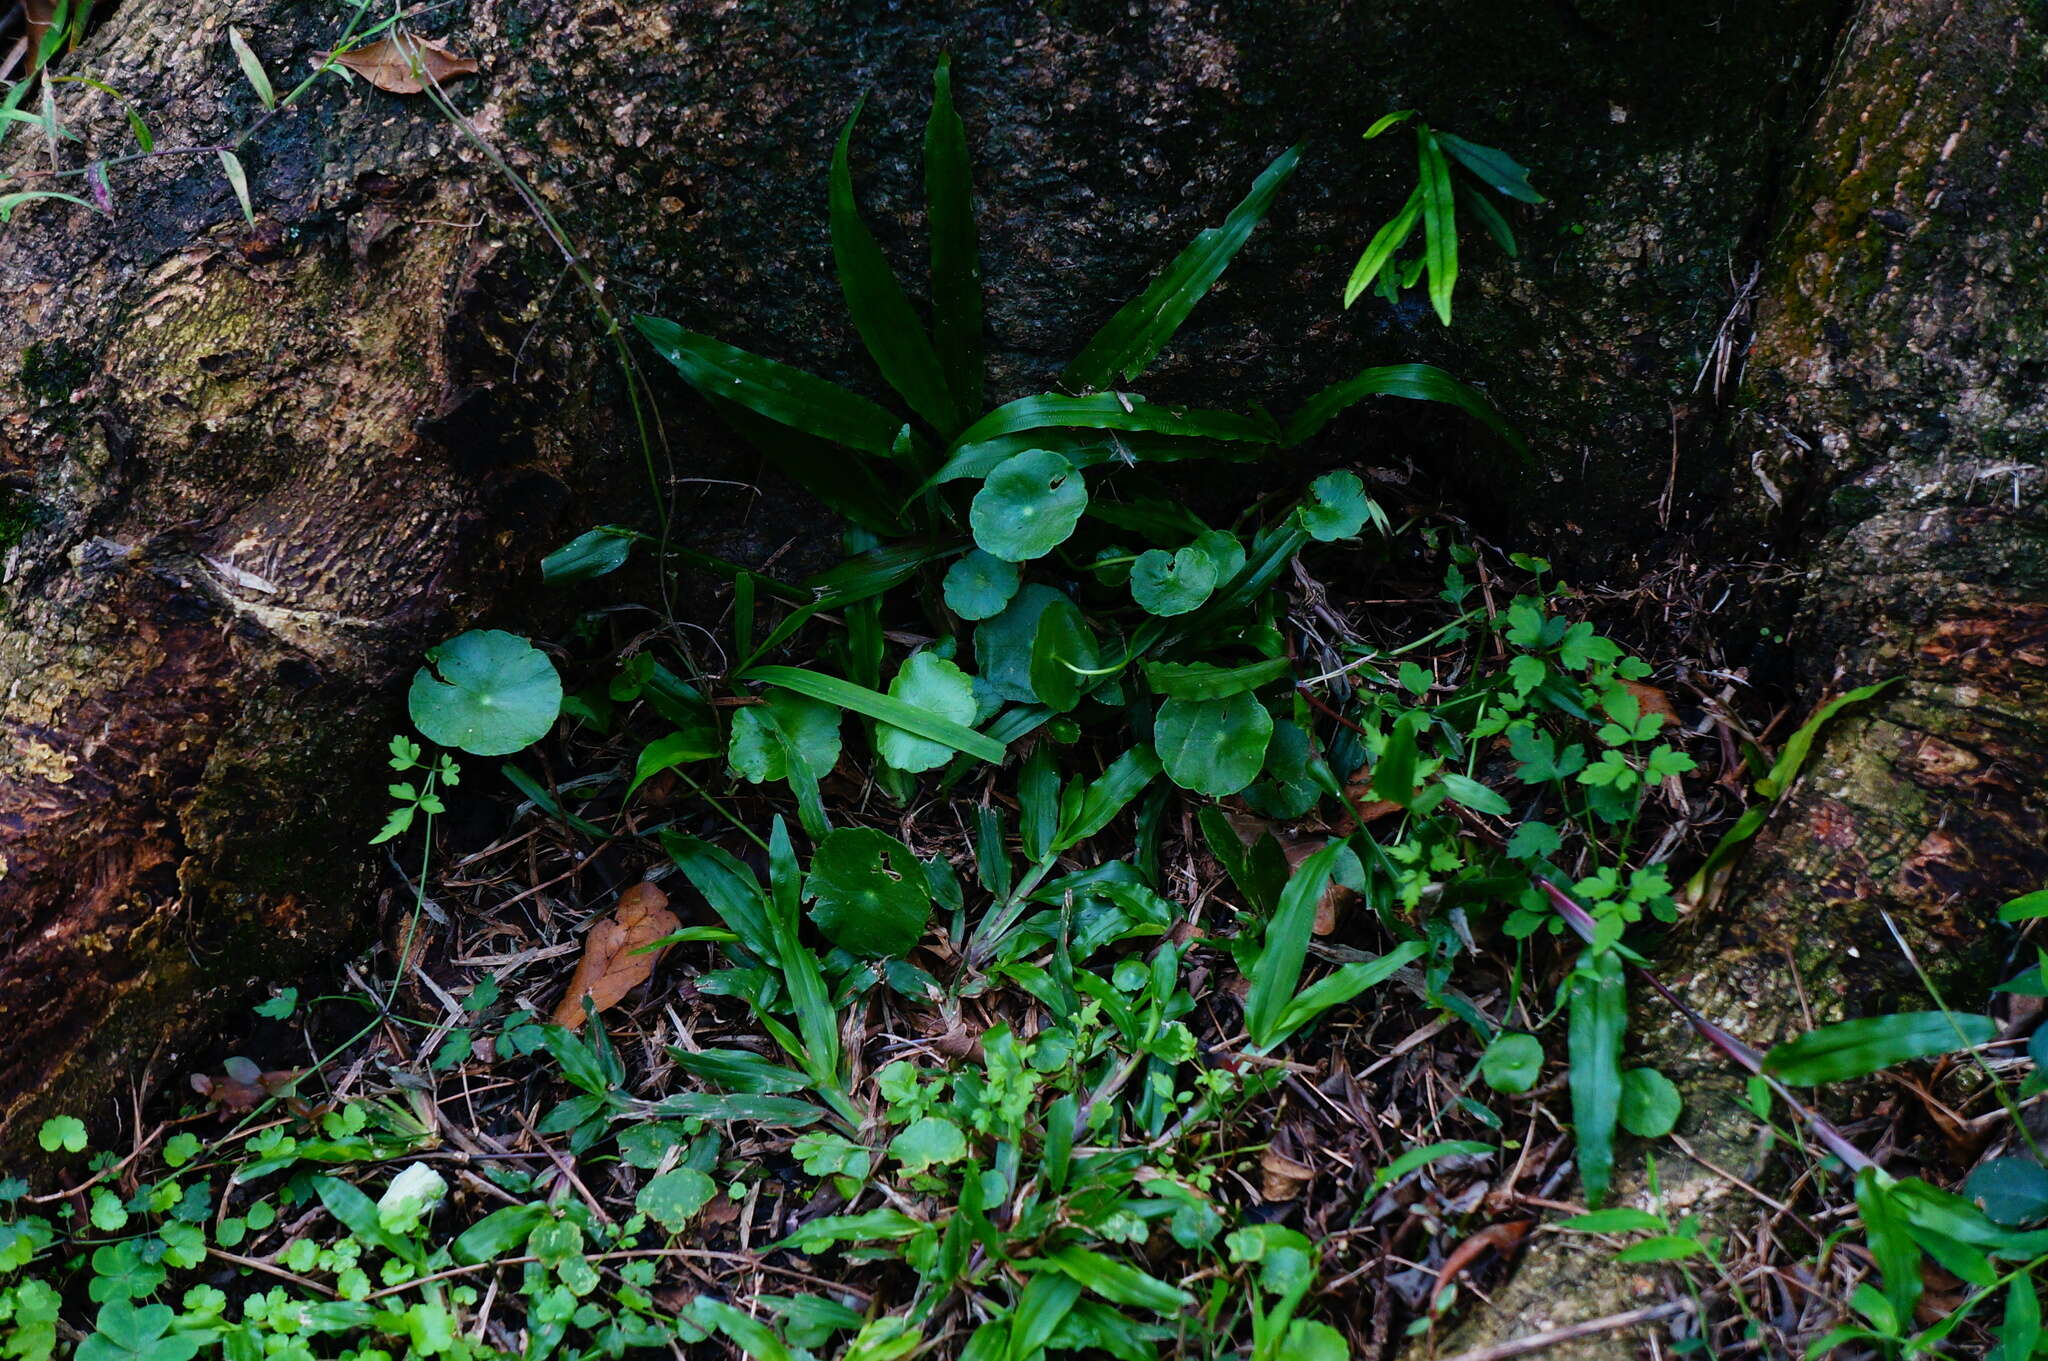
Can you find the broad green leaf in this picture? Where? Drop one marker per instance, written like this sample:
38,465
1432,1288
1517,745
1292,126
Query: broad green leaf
746,1332
1388,120
1046,1301
1309,1340
1853,1049
1028,506
1202,680
666,753
2025,907
812,726
673,1199
787,1111
979,585
62,1131
1212,746
591,554
2013,1191
1167,584
495,693
927,685
1393,775
868,892
1474,795
1512,1063
1422,1157
1002,645
956,267
932,1141
1439,223
1415,382
782,394
1143,326
501,1233
887,323
889,709
739,1070
1663,1248
1392,235
1598,1016
1108,795
1337,508
1118,1282
1061,650
876,1226
1649,1103
1110,411
731,889
1496,168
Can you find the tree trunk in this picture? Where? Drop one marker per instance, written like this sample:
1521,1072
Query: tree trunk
1892,429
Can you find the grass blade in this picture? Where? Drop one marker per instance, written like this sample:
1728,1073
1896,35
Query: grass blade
1344,984
883,708
788,396
1599,1015
1143,326
956,267
887,323
1416,382
1439,223
1112,411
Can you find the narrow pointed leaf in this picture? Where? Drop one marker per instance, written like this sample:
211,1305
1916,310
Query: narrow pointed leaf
1391,236
1853,1049
1498,169
785,395
1598,1017
885,708
1144,325
956,268
1439,224
881,313
1415,382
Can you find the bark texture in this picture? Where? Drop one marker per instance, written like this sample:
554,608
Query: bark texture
256,471
1893,429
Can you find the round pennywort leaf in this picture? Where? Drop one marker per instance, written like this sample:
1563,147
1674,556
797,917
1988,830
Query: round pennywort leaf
1212,746
938,687
978,586
811,726
1512,1063
868,893
1337,507
1649,1103
1028,506
495,693
1169,584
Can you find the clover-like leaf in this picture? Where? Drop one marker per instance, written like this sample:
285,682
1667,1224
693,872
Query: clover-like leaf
938,687
62,1131
496,693
1338,507
674,1198
978,585
1168,584
812,726
1213,746
868,893
1028,506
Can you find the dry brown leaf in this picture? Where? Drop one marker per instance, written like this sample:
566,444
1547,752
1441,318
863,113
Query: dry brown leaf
1651,700
1282,1177
611,966
402,64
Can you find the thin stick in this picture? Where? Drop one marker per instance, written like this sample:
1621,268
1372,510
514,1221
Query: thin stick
1592,1327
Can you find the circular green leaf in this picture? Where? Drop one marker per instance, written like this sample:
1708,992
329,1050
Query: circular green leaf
812,726
938,687
978,586
496,693
1649,1103
1225,551
1168,584
1212,746
1028,506
1338,507
1512,1063
2012,1191
673,1198
868,893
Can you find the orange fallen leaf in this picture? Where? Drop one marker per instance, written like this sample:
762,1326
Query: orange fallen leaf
611,965
1651,700
402,64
